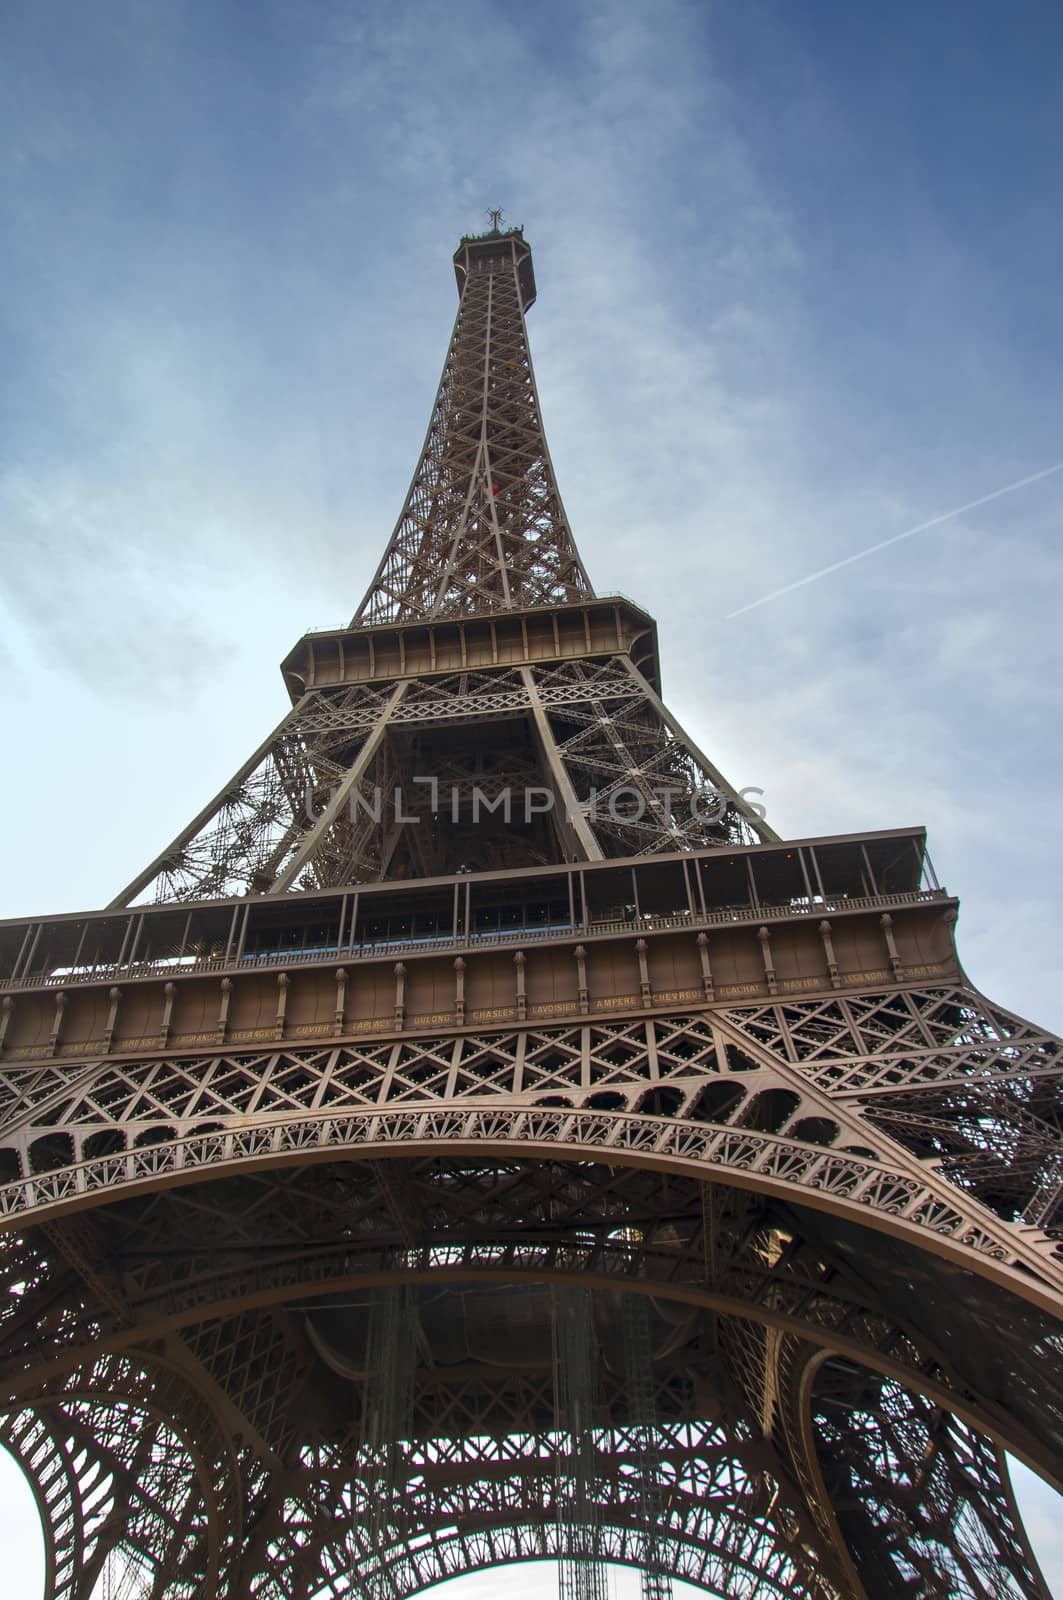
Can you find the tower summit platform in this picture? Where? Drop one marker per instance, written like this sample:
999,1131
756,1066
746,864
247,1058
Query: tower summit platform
498,245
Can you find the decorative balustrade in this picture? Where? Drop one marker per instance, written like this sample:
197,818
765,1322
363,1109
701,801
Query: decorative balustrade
367,950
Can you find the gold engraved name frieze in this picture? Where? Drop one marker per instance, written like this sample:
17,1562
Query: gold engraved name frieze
615,1002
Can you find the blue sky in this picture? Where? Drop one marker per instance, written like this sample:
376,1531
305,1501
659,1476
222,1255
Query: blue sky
798,270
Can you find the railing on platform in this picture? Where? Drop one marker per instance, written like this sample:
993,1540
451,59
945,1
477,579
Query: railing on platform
369,950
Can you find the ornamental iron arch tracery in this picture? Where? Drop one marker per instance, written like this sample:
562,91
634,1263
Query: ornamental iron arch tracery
351,1036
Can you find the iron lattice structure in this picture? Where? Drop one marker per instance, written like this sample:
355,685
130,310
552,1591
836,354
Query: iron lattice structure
403,1176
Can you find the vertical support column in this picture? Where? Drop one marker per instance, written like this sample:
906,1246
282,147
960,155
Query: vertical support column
819,876
872,886
459,991
57,1024
27,965
828,951
238,953
706,967
400,994
340,795
581,1573
764,936
520,962
757,825
574,827
130,921
114,996
26,937
927,878
642,1416
378,1486
583,994
886,922
7,1007
223,1009
283,982
709,1223
135,946
804,873
169,994
645,992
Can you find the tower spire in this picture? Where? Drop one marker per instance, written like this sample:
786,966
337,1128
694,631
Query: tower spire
483,527
479,675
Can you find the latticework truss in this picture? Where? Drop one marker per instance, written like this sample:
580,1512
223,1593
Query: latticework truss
508,767
642,1407
576,1369
483,526
597,1179
784,1098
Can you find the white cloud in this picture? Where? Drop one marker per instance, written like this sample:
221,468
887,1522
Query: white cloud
224,375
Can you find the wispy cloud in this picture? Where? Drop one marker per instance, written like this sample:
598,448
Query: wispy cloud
772,313
896,538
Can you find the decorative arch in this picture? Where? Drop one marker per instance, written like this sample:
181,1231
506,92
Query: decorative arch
123,1457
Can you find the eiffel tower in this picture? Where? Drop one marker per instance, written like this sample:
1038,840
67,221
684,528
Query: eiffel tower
479,1138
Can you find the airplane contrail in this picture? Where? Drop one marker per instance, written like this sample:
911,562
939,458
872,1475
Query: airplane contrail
883,544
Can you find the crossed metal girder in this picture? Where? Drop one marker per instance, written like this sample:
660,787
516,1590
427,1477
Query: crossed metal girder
236,1290
335,794
482,534
483,527
283,1309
